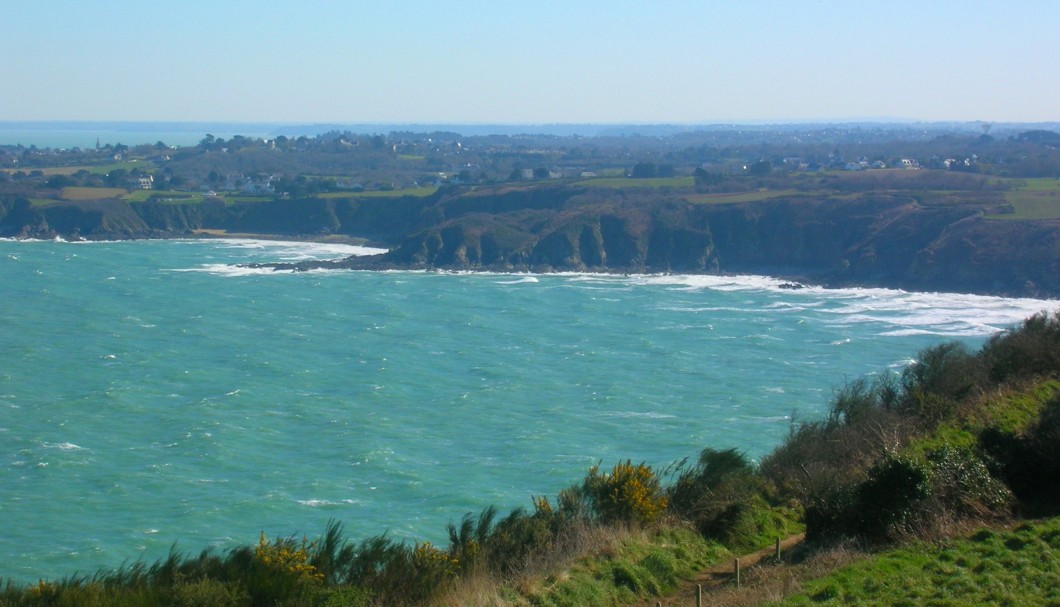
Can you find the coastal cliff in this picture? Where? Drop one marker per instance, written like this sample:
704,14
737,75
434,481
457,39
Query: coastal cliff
867,239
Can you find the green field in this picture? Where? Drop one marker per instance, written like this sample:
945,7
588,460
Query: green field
1041,184
164,196
98,169
740,196
1033,200
79,193
629,182
418,192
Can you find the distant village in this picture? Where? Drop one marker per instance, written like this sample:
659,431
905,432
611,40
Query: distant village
344,161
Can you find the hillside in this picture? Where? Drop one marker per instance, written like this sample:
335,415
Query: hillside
903,238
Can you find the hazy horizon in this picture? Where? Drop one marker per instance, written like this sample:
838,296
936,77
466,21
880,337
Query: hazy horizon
474,62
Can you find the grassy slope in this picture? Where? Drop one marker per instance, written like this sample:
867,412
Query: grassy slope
1017,567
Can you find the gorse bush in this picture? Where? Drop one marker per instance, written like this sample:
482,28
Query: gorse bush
628,494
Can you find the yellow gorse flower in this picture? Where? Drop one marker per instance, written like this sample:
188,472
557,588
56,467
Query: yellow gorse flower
288,557
628,491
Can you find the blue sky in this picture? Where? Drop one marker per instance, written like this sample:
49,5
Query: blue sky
482,62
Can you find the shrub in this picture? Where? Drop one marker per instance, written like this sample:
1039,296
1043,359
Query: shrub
629,494
878,508
1032,349
859,401
942,377
518,536
962,487
393,573
1029,463
716,492
465,542
282,571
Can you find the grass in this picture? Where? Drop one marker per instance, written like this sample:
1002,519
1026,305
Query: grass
1031,206
419,192
82,193
1014,412
740,196
1018,567
1010,410
623,570
629,182
1033,200
1041,184
165,196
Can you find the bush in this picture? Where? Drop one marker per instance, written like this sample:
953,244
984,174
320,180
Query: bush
518,536
714,493
942,377
1029,463
628,494
1033,349
876,509
962,487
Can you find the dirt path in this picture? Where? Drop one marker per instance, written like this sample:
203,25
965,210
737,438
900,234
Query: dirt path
718,576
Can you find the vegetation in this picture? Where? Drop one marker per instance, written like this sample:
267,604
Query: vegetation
958,439
1017,567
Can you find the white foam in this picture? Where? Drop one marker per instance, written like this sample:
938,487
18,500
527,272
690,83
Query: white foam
315,503
224,269
63,446
519,281
639,415
298,250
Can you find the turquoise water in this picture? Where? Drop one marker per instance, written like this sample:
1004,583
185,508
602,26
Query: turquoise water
152,393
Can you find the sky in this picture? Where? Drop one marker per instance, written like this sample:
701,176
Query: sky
541,62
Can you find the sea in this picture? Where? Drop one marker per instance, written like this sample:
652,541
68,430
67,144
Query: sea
158,395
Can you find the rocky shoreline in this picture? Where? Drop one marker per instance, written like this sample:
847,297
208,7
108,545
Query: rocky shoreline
869,240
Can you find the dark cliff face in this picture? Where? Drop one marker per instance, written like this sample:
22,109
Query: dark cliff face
871,240
96,219
875,240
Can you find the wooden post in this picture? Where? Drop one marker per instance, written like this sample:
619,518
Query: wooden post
699,595
736,570
778,549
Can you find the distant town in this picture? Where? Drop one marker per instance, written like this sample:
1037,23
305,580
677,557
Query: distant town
337,161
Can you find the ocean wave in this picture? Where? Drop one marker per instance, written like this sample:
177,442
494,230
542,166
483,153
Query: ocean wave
63,446
519,281
233,270
743,282
315,503
289,250
639,415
